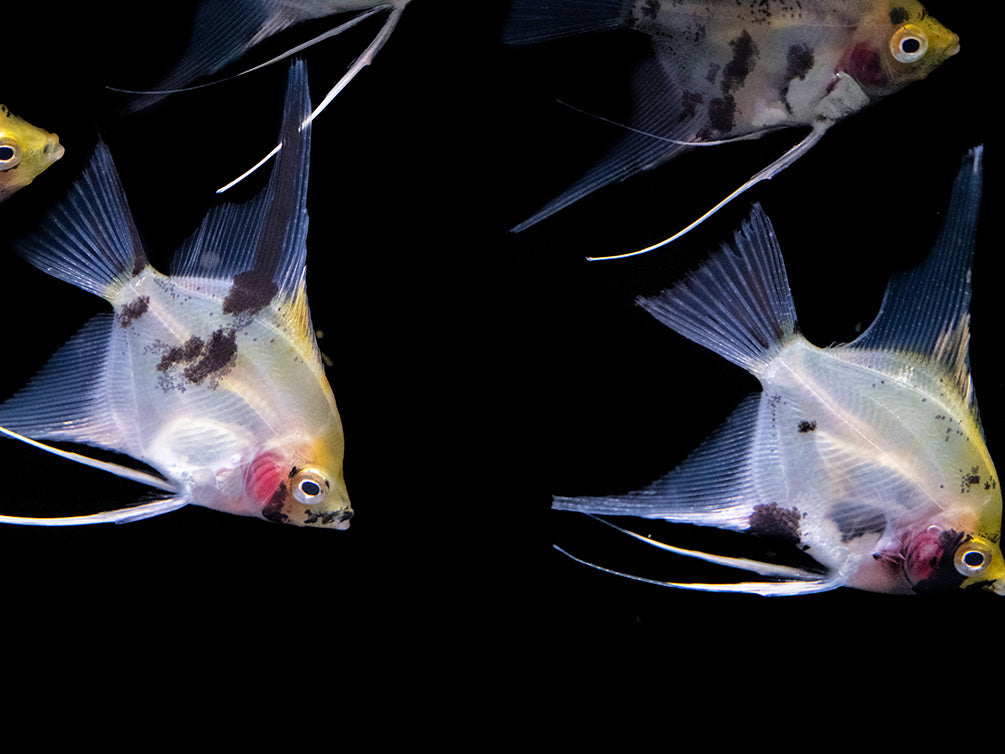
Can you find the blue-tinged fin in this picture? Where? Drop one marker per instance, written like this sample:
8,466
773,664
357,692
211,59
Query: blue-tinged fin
738,303
530,21
663,125
67,399
714,485
926,311
220,36
261,245
89,239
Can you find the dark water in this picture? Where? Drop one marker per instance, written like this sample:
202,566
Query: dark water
477,372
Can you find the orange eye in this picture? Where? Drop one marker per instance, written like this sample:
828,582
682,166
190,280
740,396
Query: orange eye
908,44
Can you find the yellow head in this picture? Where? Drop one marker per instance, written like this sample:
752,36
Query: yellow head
303,488
25,151
897,43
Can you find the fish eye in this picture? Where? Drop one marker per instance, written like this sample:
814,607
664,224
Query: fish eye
10,155
908,44
310,486
972,558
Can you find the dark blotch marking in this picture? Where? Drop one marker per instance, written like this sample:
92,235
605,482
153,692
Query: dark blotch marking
217,357
773,521
273,510
203,359
251,292
807,426
799,62
744,56
134,310
721,113
969,479
650,8
899,16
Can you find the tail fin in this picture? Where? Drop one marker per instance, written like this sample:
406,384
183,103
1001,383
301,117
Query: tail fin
738,303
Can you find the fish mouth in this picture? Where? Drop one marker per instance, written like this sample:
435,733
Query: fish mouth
53,149
342,522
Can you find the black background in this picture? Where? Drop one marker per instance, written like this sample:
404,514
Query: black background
477,372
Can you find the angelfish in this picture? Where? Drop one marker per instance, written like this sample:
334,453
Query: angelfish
25,151
868,456
211,375
722,71
224,30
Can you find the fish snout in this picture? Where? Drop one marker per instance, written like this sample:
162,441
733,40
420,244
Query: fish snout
342,519
53,149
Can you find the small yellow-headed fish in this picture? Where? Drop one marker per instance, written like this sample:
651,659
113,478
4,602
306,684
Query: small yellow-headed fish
868,457
210,375
224,30
25,151
723,70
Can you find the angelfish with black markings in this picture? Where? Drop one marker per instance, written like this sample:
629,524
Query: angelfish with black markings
723,71
211,375
867,457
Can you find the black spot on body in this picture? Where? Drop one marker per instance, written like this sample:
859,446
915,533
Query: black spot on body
807,426
721,113
650,8
273,510
772,521
216,358
202,359
899,16
134,310
734,75
251,292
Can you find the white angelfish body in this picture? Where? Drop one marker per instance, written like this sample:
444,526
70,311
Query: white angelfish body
867,456
210,375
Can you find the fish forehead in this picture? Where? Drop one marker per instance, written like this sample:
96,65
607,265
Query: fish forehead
899,437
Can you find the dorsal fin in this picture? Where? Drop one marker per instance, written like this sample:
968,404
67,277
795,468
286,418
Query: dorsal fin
738,303
926,310
274,223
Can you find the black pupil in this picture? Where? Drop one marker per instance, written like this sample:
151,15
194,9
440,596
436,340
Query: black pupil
910,45
309,488
974,559
6,153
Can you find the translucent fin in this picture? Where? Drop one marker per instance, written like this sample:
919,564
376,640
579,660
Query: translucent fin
713,486
530,21
364,59
275,222
89,239
65,400
738,303
811,584
154,95
766,174
660,129
123,516
113,468
793,580
926,310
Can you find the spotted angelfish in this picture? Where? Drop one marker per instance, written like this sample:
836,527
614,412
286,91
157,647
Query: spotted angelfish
866,457
723,70
211,375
